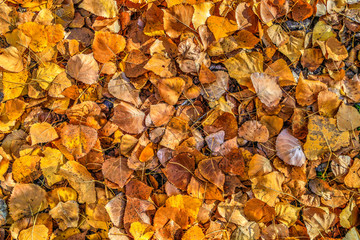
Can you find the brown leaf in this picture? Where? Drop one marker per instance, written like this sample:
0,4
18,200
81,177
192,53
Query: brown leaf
136,189
83,68
209,169
107,45
348,118
254,131
177,19
307,91
117,171
128,118
26,200
267,88
179,170
170,89
66,214
258,211
161,113
120,87
78,139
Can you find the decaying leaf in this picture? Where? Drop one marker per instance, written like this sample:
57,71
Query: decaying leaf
347,118
323,137
26,200
83,68
267,88
254,131
66,214
117,171
128,118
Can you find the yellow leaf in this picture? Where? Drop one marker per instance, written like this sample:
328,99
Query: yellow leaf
61,194
141,231
221,27
14,84
38,35
42,133
242,65
50,165
161,65
11,59
102,8
323,136
287,213
26,169
201,13
18,39
189,204
194,233
80,179
38,232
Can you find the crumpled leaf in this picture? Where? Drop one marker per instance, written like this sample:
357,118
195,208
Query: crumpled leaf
78,139
26,200
80,179
42,133
102,8
323,137
66,214
83,68
107,45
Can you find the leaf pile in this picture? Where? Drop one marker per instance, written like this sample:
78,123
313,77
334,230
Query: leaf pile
169,119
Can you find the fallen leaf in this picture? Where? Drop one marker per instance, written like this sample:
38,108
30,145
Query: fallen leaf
80,179
26,200
267,88
78,139
42,133
193,233
161,65
107,45
349,216
14,84
141,231
11,59
128,118
307,91
117,171
258,211
209,169
254,131
352,179
323,137
335,50
170,89
66,214
177,19
83,68
50,165
287,213
26,169
103,8
328,103
288,149
201,13
317,220
221,27
179,170
39,232
348,118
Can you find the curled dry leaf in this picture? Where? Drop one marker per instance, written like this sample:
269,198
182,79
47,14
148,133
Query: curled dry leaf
245,17
129,118
267,88
42,133
254,131
83,68
107,45
78,139
117,171
348,118
179,170
26,200
288,149
80,179
66,214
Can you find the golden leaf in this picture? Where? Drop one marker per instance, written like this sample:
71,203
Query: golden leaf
102,8
50,165
26,169
11,59
80,179
42,133
323,137
38,232
107,45
221,27
141,231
